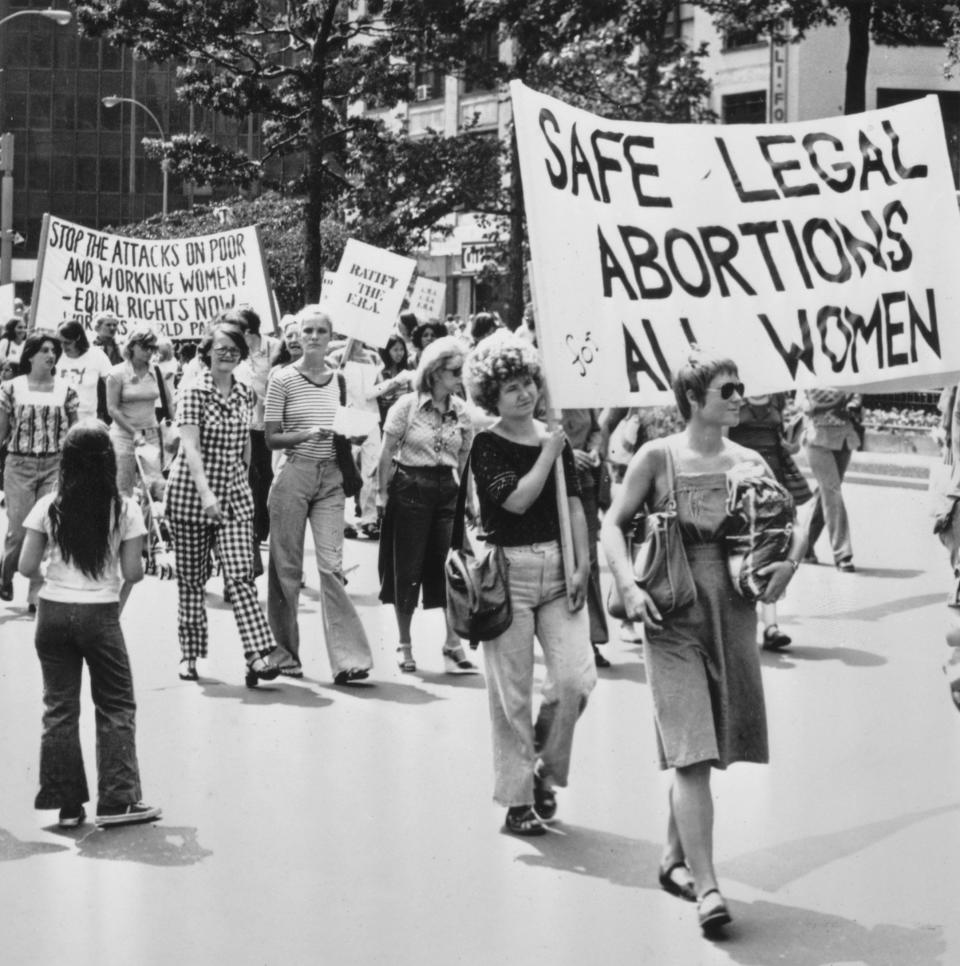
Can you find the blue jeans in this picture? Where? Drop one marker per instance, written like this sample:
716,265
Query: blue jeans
539,603
67,635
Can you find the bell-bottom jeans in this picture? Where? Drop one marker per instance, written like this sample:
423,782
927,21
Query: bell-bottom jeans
67,636
311,491
520,744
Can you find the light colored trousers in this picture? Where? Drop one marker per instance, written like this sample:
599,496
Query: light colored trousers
369,453
311,491
538,598
829,466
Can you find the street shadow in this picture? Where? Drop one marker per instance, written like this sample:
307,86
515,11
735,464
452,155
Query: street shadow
845,655
384,691
888,608
366,600
635,671
772,868
800,937
763,932
474,681
146,844
266,692
13,849
888,573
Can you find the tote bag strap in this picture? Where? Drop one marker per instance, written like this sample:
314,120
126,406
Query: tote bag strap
162,389
459,517
671,477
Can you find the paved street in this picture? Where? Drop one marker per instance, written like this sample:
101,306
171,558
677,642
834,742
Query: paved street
305,823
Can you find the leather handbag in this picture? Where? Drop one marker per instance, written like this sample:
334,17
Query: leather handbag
660,565
477,584
343,450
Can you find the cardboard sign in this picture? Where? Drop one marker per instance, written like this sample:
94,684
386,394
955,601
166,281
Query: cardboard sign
428,299
178,285
817,253
7,295
326,286
368,291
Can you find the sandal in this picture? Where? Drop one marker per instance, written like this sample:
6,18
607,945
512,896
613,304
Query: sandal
260,670
353,674
523,820
544,799
188,669
406,663
774,639
291,670
680,886
712,913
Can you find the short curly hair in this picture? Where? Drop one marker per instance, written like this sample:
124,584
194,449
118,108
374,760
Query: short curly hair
497,359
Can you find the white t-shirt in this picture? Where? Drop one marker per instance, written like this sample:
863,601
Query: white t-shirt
64,582
83,373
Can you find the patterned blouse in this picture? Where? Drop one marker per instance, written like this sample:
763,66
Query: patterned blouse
224,426
38,420
427,436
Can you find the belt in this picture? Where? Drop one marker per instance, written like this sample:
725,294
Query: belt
439,471
299,458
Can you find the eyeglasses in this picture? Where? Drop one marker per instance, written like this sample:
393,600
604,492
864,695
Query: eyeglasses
457,372
728,389
226,352
148,346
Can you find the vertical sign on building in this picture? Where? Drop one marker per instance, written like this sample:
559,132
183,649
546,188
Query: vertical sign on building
777,110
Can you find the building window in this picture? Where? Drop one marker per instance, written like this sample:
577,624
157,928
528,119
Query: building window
428,85
748,108
487,51
737,39
949,109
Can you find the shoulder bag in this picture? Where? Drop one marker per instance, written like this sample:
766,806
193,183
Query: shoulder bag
477,585
660,564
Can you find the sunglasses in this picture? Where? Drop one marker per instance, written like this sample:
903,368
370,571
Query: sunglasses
458,372
728,389
226,353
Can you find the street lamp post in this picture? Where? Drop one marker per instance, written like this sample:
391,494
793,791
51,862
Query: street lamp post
61,18
113,101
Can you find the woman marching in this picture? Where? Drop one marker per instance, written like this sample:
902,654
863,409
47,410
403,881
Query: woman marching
302,401
702,661
92,537
210,506
513,468
427,437
37,408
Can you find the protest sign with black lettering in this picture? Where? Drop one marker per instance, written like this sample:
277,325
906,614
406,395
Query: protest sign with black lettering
370,286
427,301
178,285
816,253
326,286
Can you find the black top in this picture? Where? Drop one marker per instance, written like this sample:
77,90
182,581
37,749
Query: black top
497,465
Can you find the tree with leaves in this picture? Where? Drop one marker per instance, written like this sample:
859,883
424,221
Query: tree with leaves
618,59
299,67
895,23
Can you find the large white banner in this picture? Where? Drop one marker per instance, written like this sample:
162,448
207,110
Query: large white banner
367,293
819,253
178,285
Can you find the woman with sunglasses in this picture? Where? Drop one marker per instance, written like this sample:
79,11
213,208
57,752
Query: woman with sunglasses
702,661
133,394
427,437
210,505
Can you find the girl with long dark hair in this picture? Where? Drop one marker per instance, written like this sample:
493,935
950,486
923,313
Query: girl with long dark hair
92,538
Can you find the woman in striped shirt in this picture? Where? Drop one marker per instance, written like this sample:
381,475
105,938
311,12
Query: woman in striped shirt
302,401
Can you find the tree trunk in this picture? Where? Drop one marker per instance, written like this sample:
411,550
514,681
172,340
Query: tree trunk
515,260
855,96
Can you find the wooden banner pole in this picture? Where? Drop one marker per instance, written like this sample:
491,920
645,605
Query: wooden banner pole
560,476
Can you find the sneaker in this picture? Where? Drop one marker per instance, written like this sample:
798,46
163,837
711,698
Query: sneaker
71,816
371,531
126,814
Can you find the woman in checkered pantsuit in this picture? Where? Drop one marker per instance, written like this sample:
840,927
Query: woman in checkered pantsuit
210,506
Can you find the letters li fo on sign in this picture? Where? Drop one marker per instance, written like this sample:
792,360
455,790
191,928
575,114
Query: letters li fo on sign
818,253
